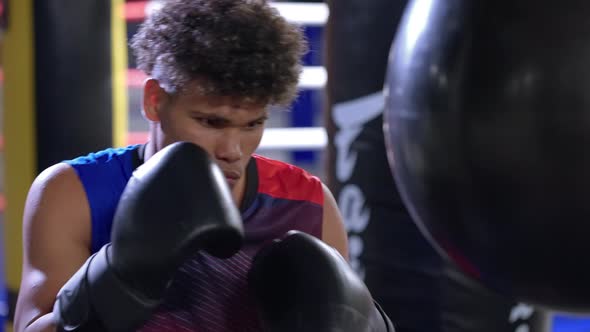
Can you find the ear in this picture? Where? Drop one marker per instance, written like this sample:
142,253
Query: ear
154,98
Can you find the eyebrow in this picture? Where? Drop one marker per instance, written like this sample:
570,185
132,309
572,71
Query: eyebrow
226,120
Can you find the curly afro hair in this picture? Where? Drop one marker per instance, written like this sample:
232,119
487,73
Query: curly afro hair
237,48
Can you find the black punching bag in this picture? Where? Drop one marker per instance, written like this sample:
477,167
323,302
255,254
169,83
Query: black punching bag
417,288
487,124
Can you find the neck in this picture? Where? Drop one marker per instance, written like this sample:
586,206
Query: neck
153,144
239,190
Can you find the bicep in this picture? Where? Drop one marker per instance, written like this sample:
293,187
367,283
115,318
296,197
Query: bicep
333,230
56,232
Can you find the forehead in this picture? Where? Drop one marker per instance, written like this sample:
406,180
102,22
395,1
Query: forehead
193,98
221,105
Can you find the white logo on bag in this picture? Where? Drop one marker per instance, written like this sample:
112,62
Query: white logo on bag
521,312
350,117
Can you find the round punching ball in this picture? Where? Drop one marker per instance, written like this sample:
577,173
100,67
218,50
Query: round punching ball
488,130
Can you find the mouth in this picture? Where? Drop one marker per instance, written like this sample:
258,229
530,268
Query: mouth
232,177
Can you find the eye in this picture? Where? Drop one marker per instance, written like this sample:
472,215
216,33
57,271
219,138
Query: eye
211,122
255,124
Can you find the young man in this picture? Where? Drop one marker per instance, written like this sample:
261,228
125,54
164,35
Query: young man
215,67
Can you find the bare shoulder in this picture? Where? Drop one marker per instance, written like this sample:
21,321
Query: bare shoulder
59,177
333,229
56,240
56,179
57,203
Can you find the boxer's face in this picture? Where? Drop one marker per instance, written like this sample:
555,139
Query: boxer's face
229,129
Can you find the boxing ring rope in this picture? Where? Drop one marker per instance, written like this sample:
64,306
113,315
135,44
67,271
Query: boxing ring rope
312,77
302,138
310,14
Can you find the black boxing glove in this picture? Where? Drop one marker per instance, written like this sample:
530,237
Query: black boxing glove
175,204
301,284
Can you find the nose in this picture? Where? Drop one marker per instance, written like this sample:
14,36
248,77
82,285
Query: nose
228,147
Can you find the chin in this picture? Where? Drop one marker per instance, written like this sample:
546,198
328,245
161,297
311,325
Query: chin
232,183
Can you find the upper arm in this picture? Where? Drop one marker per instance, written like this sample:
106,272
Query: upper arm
333,230
56,238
